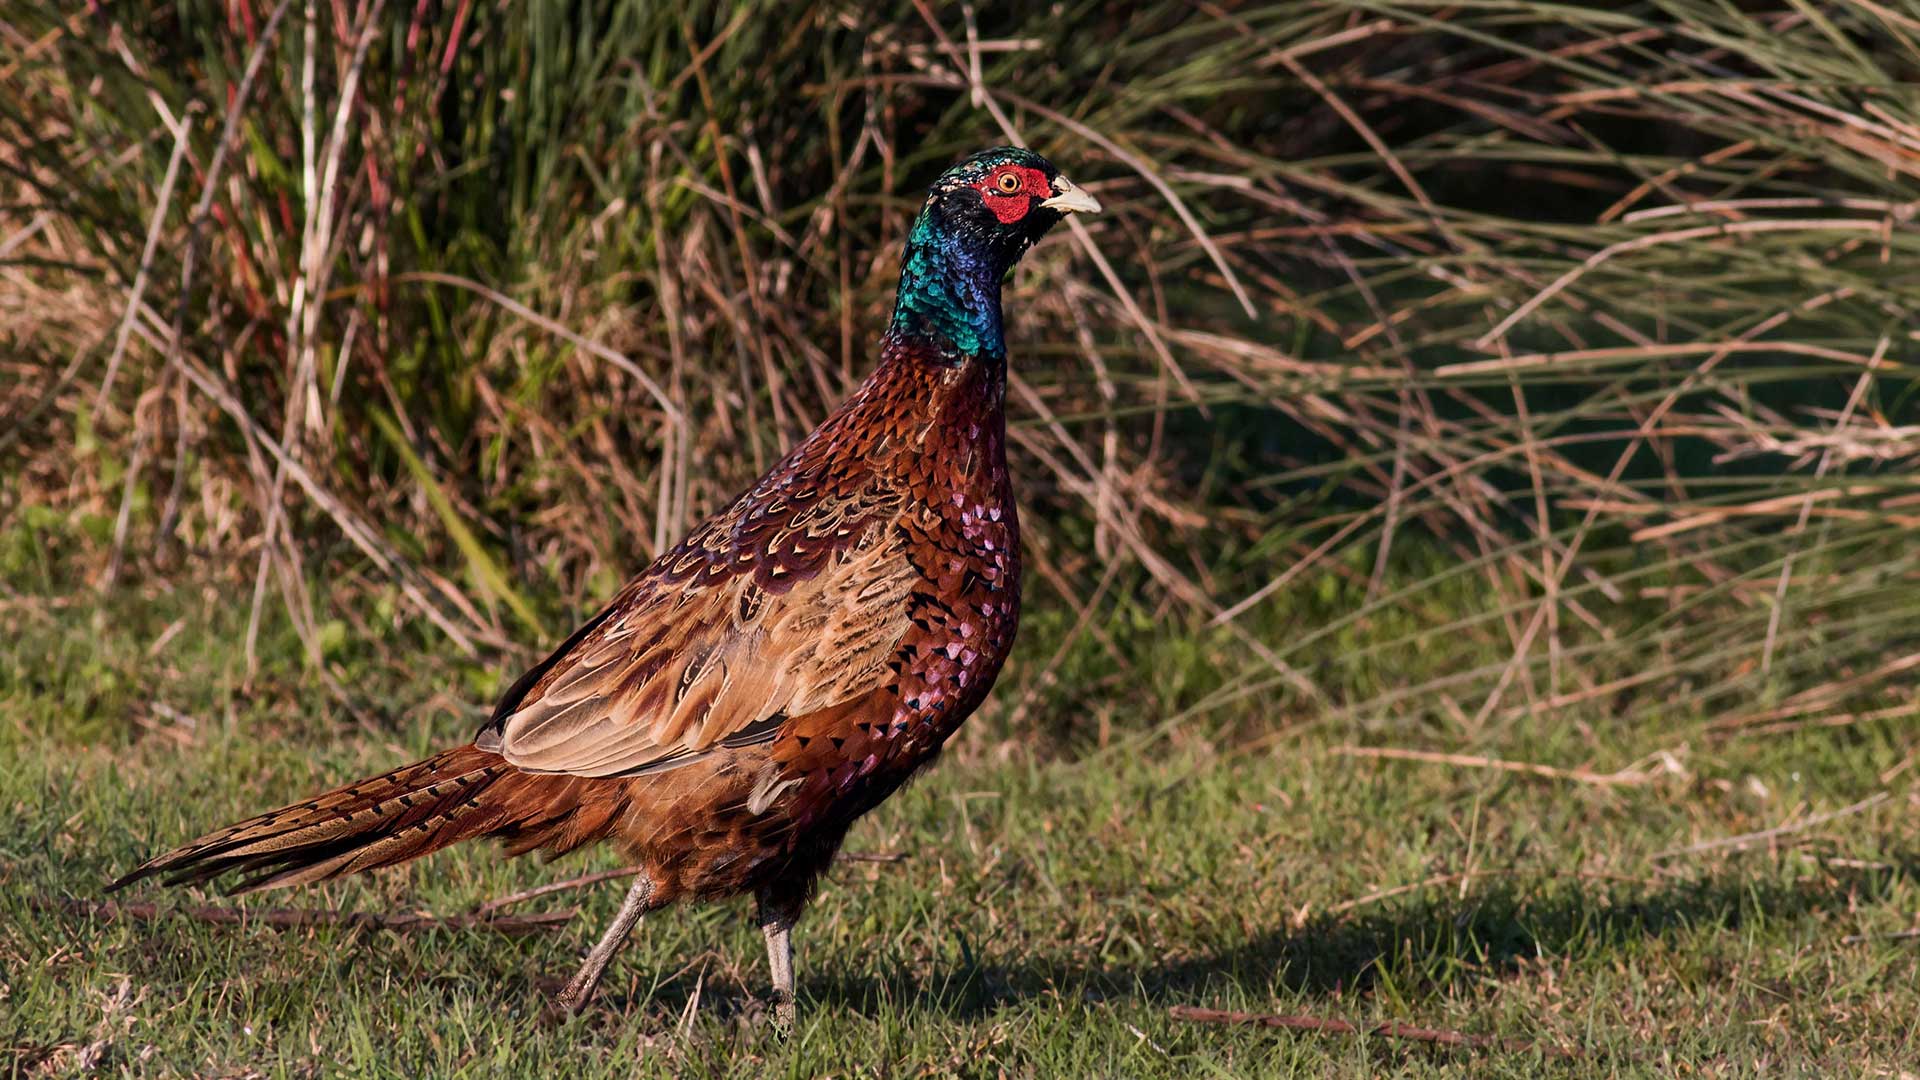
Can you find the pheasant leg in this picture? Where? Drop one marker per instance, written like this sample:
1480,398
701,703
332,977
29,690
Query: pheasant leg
776,922
579,991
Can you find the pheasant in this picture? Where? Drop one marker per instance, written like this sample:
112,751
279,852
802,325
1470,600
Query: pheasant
777,673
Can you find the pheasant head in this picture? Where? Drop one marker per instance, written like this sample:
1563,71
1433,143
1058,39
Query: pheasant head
979,218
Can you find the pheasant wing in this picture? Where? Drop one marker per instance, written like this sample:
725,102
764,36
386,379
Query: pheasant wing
755,618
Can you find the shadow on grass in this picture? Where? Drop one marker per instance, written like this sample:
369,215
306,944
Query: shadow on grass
1429,946
1426,945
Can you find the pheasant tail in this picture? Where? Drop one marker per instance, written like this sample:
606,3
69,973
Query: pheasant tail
391,818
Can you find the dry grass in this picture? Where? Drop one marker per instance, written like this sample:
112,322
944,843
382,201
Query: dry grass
474,314
506,329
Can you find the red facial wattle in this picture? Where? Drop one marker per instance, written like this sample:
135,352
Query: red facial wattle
1011,205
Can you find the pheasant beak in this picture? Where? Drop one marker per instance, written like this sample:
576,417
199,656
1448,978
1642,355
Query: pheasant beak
1069,199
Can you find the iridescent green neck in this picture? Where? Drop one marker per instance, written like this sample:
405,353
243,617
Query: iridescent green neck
949,295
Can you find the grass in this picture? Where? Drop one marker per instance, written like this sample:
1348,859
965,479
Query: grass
1055,899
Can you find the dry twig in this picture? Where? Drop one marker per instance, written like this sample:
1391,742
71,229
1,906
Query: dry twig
581,882
584,880
297,918
1747,840
1580,776
1897,935
1386,1030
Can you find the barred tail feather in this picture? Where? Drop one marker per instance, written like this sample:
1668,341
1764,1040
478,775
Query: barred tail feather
387,819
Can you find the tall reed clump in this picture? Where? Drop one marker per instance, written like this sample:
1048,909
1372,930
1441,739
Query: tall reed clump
1561,350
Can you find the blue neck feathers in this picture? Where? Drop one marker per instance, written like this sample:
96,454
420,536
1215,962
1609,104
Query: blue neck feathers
949,295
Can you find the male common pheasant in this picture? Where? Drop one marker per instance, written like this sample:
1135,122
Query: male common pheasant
779,672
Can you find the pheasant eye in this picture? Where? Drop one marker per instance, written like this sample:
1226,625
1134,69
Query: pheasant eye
1007,182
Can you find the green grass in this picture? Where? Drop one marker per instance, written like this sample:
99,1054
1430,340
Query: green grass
1056,900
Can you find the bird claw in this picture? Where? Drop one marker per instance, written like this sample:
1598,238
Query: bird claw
562,1008
784,1015
570,1000
766,1014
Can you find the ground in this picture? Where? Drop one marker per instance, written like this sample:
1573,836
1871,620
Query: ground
1021,913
